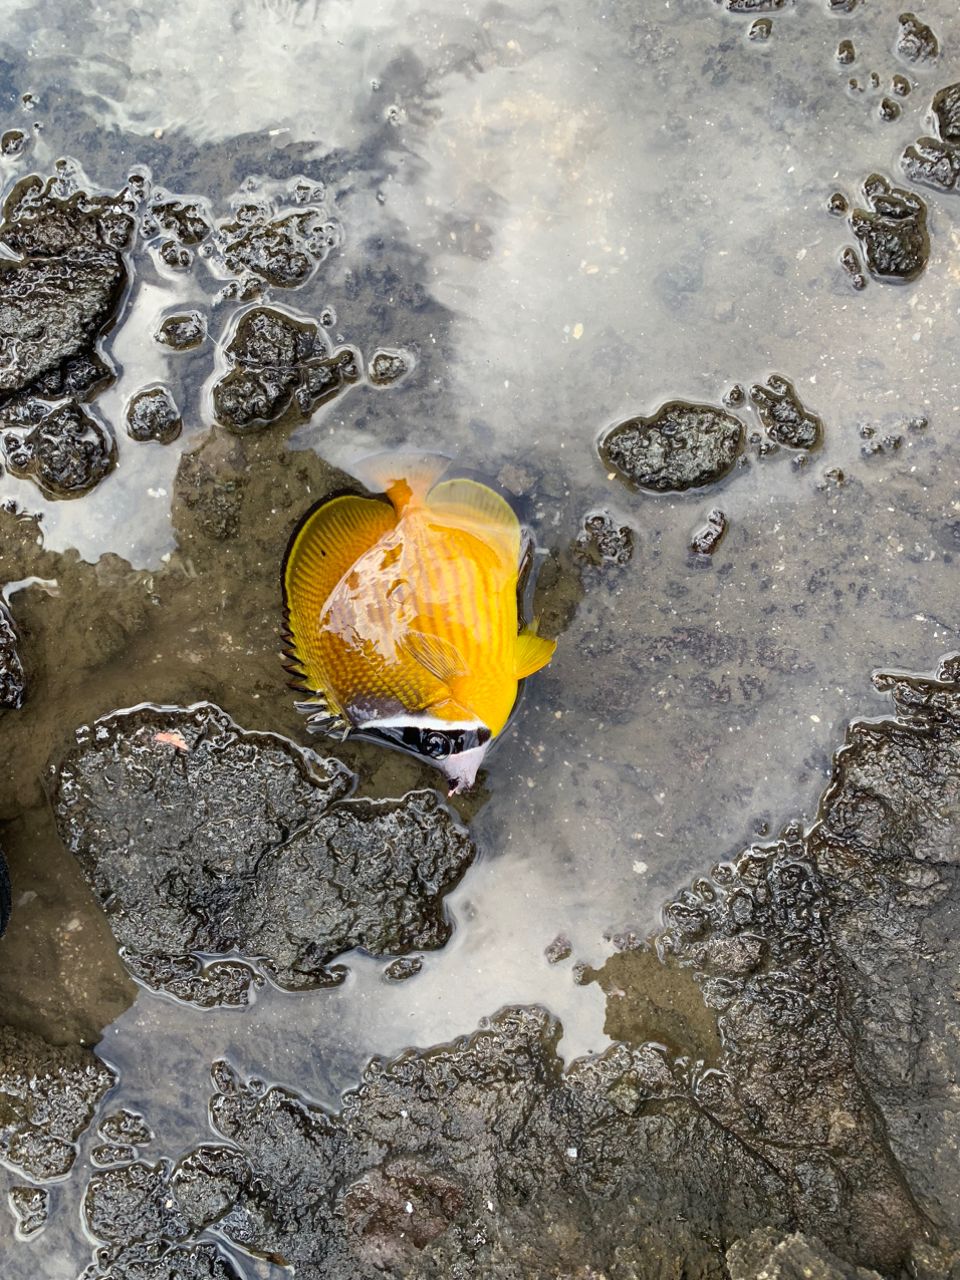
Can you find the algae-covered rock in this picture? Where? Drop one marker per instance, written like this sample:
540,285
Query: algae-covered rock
200,838
682,446
892,230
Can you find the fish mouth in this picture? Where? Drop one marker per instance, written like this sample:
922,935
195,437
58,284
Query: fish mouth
462,768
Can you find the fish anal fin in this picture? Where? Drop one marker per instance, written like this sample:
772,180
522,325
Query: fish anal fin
406,476
438,656
533,652
328,542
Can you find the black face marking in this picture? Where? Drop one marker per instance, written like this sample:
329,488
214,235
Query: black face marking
432,744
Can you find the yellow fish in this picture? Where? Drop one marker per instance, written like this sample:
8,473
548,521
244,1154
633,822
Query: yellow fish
402,615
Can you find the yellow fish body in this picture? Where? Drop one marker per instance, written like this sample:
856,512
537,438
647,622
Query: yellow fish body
402,615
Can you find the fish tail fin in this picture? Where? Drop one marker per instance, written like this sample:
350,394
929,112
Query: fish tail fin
406,476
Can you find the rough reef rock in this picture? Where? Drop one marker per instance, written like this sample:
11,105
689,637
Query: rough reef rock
56,298
30,1206
202,839
784,418
935,162
182,331
278,233
681,446
152,414
13,681
66,453
892,231
787,1062
279,364
602,540
47,1098
916,41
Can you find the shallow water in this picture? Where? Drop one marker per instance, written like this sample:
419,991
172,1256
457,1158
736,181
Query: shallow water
570,214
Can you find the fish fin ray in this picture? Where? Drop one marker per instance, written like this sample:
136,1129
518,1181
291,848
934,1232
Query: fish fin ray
328,541
438,656
406,476
477,508
533,652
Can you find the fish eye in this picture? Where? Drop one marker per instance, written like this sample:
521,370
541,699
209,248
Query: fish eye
435,744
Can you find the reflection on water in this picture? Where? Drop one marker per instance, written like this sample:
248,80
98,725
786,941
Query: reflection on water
570,215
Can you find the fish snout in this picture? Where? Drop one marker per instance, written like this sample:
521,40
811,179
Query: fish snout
462,768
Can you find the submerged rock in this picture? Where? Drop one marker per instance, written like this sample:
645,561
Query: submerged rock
200,838
279,364
763,1255
387,367
916,42
182,331
710,534
30,1206
56,299
278,233
47,1098
604,541
935,162
892,231
681,446
152,414
66,453
784,418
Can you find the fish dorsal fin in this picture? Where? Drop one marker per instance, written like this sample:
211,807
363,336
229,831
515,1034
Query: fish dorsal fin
476,507
441,658
533,652
405,476
330,539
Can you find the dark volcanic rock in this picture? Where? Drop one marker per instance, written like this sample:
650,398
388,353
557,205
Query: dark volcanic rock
66,453
709,536
55,301
387,367
185,218
158,1261
13,681
183,331
152,414
892,230
915,40
795,1257
280,364
781,1101
202,839
47,1098
784,418
934,163
946,107
602,540
30,1206
278,233
682,446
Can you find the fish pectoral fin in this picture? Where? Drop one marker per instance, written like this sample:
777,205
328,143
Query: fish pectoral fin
404,475
438,656
327,543
533,652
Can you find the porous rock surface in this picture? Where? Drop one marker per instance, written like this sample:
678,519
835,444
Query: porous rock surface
681,446
48,1096
788,1110
783,415
201,838
57,295
279,365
